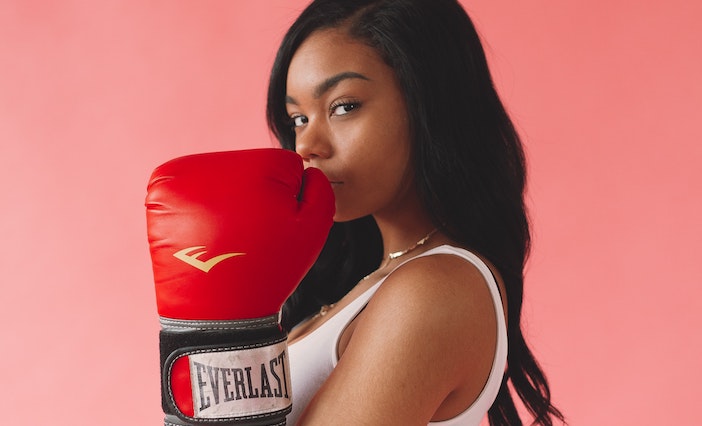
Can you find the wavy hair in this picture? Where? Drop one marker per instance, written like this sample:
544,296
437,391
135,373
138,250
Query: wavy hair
468,159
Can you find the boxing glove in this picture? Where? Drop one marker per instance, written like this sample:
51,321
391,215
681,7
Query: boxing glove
231,235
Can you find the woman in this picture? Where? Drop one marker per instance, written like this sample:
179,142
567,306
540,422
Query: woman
408,314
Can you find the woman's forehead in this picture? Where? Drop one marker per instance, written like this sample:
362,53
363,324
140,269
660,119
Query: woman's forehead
329,53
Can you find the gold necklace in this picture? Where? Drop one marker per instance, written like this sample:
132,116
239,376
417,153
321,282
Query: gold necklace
391,256
396,254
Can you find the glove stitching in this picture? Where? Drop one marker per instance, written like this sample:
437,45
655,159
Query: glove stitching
183,327
220,325
167,423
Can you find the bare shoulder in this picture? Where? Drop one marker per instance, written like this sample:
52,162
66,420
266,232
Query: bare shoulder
440,288
431,330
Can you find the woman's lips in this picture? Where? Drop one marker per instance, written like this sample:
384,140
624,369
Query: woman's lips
334,180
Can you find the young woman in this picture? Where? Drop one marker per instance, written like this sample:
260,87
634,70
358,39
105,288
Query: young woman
411,314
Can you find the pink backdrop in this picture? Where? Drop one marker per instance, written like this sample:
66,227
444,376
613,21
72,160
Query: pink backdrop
94,94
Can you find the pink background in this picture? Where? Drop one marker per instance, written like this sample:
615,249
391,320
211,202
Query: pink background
94,94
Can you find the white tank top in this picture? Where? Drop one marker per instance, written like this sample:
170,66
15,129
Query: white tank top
314,356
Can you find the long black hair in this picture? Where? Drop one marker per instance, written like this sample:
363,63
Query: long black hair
468,159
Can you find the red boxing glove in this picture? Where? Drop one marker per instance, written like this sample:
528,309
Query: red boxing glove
231,235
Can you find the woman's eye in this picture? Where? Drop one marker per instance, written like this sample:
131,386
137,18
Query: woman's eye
344,108
298,120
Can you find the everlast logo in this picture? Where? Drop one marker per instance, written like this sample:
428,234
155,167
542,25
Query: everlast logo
233,384
238,383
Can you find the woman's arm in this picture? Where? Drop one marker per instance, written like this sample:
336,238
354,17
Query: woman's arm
421,350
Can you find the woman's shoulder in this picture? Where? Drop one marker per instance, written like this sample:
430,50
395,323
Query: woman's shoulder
446,283
432,324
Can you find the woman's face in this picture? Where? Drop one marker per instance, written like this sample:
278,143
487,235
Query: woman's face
350,121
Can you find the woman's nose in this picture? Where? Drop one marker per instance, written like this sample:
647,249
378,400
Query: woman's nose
312,143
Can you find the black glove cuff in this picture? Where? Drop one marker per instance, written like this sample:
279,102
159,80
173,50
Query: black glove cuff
224,372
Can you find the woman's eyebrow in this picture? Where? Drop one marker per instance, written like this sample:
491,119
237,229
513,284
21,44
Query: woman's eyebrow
329,84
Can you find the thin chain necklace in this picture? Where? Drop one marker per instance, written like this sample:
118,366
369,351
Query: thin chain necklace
391,256
396,254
